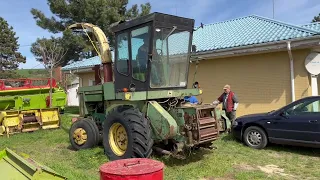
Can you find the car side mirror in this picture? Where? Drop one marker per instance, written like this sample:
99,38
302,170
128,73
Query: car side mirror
283,114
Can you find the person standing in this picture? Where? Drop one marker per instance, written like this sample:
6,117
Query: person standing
229,102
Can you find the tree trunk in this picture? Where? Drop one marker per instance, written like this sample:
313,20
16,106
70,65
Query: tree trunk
50,92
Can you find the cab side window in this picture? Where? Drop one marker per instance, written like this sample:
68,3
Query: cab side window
140,49
123,54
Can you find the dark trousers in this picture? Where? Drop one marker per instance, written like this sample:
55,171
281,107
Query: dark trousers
231,115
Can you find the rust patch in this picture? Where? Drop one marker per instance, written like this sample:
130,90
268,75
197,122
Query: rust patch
186,117
171,131
74,119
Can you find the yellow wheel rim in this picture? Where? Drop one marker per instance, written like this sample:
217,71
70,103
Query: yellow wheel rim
118,139
80,136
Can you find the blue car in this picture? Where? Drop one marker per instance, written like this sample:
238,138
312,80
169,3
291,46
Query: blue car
297,123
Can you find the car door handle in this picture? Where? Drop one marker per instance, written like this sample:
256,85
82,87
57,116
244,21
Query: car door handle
313,121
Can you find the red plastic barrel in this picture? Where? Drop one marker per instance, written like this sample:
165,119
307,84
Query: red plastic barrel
132,169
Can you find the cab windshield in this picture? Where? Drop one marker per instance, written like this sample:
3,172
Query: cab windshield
170,58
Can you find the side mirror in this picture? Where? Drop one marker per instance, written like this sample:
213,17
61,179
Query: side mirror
283,114
194,48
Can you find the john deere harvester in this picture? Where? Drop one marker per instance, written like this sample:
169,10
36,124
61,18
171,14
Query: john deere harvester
139,106
25,105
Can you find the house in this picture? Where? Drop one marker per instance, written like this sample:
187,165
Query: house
72,92
262,59
78,74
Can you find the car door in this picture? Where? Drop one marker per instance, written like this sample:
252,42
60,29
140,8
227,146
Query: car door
298,123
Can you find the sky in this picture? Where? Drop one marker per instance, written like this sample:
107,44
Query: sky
17,14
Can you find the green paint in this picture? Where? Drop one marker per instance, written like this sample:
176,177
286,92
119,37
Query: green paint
92,93
97,88
99,117
163,124
181,93
24,101
178,115
146,95
228,123
109,91
13,166
135,96
113,104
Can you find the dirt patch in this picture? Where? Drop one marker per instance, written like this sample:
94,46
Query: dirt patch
271,170
244,167
275,155
268,169
61,146
275,170
226,177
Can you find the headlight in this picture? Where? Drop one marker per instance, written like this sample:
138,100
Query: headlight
235,123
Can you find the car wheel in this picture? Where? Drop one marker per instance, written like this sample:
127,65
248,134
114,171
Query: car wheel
255,137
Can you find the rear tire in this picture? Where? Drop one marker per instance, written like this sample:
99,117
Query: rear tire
88,132
255,137
127,134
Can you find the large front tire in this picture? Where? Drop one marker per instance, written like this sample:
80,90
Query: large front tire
127,134
84,134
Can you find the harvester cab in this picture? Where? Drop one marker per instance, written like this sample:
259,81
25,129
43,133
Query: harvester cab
140,105
152,53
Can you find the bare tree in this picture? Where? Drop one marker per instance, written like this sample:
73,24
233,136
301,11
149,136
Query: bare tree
50,53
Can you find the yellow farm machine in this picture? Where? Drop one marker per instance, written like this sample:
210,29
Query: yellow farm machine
25,105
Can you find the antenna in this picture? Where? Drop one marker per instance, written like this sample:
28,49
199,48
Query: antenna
201,26
176,9
272,9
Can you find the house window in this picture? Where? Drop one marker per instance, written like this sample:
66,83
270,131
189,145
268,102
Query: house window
92,82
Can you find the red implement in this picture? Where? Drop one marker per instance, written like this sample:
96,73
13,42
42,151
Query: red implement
19,84
132,169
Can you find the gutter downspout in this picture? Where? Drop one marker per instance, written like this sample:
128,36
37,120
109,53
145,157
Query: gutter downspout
293,95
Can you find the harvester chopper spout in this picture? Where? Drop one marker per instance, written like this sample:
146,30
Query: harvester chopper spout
104,48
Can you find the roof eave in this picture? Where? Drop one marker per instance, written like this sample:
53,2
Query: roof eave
258,48
80,69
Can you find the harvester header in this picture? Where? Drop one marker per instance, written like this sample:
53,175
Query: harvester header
25,105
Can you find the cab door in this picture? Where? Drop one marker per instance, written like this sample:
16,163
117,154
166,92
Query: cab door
132,57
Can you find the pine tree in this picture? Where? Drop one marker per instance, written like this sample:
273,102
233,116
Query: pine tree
102,13
10,58
316,18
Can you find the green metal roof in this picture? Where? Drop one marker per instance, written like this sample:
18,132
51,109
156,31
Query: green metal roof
85,63
313,26
246,31
239,32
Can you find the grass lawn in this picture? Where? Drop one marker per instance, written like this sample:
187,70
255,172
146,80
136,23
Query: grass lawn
33,73
231,159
